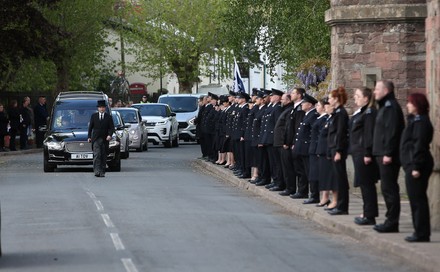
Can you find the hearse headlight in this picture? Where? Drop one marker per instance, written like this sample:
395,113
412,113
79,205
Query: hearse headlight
113,142
55,145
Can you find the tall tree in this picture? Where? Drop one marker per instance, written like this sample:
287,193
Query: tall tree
63,37
24,34
175,36
287,31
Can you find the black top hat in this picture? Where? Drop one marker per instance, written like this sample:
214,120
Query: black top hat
276,92
101,103
243,95
310,99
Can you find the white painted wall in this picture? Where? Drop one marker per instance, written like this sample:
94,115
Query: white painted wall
256,77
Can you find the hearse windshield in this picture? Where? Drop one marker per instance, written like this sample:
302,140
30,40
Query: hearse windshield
73,115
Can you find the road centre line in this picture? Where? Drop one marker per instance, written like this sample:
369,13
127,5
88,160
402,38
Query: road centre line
107,221
99,206
117,241
92,195
129,265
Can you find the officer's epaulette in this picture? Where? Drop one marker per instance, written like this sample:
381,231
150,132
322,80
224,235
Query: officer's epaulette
368,111
388,103
417,118
338,110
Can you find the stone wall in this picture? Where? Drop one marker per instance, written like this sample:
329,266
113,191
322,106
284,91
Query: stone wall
433,92
374,42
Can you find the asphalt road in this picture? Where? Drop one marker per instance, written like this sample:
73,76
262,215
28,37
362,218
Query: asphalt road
158,214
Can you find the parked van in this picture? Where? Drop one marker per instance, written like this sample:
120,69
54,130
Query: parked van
66,137
186,108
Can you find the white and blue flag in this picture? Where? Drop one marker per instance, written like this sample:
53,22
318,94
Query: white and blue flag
238,82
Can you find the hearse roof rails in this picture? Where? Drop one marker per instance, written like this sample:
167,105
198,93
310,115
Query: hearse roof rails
82,95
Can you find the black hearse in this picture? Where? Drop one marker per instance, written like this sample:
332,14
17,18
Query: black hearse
66,137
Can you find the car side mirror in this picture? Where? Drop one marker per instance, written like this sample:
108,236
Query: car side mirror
127,126
173,114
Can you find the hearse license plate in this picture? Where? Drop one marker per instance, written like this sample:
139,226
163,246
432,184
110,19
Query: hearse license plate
82,156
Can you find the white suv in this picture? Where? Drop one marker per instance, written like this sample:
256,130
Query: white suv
186,107
161,123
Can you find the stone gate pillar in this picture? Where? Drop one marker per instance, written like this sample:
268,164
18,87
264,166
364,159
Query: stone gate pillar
378,39
433,92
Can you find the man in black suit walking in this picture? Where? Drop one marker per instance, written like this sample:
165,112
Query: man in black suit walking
101,129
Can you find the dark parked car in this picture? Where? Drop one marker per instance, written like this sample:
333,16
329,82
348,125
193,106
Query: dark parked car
66,137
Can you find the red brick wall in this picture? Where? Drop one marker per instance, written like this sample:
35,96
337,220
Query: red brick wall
397,49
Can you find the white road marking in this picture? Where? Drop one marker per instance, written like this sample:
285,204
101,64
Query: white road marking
99,205
92,195
107,221
117,241
129,265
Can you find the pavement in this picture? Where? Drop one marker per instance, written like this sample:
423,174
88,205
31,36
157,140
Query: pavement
423,255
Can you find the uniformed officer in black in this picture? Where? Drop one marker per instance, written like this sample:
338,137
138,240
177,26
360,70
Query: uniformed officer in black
101,129
418,163
387,132
229,125
238,135
338,148
256,133
269,120
289,160
361,147
249,151
208,127
265,171
301,149
198,123
279,135
205,137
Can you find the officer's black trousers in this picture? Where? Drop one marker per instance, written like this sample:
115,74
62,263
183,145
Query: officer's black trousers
340,171
418,200
288,169
390,189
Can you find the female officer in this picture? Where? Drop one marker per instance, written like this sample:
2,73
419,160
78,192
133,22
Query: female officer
318,151
338,147
361,146
417,162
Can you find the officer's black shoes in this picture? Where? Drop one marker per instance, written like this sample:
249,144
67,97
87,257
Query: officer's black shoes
286,192
337,211
298,196
276,188
365,221
386,228
413,238
311,201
